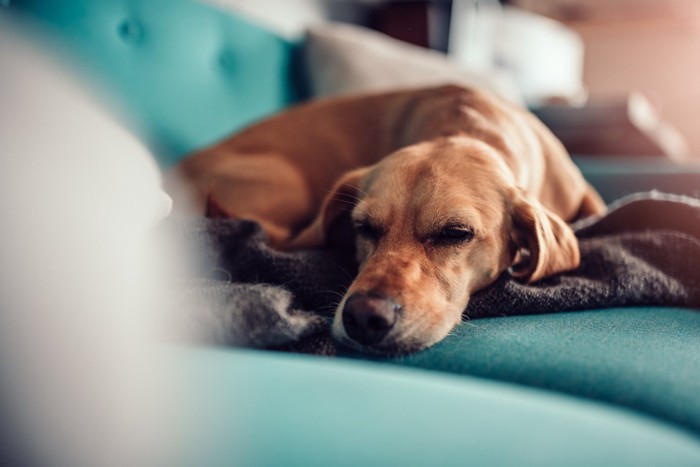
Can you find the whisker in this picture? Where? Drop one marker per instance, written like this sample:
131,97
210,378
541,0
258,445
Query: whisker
339,294
347,195
348,200
361,190
350,276
466,320
329,308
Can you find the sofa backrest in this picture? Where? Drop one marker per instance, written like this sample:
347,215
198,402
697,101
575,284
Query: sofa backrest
184,74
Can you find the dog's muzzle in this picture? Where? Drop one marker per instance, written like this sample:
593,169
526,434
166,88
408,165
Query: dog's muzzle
368,317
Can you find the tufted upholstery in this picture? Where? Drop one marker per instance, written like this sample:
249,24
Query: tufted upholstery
185,74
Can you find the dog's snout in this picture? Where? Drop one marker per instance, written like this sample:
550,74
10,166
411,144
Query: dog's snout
368,318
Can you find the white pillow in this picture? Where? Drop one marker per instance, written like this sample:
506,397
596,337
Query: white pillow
346,59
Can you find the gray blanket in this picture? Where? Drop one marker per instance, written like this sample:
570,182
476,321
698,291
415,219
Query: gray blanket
645,251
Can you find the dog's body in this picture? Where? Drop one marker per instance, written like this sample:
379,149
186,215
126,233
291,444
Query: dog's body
445,186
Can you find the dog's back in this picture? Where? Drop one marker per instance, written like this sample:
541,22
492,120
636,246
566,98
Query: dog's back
279,171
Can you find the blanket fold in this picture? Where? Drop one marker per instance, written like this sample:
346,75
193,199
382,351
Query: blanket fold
644,251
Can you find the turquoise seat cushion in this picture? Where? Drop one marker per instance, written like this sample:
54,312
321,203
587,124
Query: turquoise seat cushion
183,73
645,359
266,409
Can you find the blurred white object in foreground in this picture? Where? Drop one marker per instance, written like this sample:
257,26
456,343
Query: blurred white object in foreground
81,383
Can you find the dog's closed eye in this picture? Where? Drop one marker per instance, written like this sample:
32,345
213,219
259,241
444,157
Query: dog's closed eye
452,235
367,230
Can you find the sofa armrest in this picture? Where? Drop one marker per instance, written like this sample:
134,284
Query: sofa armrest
615,177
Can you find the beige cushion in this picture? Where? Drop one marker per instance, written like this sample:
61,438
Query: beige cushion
345,59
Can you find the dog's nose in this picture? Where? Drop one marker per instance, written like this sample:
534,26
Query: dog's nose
368,318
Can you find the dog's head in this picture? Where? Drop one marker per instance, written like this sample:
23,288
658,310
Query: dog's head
434,223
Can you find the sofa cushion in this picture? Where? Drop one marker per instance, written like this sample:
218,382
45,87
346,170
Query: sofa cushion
257,408
184,73
646,359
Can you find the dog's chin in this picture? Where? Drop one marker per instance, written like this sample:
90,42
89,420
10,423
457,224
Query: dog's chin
387,349
392,345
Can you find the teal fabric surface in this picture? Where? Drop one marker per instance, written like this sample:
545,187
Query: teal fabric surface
264,409
647,359
184,73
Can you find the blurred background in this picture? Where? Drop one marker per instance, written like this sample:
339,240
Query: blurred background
609,76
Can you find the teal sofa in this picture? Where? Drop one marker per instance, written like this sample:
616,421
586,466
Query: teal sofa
597,387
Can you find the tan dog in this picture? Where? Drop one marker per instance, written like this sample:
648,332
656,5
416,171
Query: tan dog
446,188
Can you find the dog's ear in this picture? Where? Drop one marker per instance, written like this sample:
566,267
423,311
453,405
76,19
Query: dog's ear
551,245
333,225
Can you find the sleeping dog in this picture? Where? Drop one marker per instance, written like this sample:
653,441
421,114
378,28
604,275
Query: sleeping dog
439,191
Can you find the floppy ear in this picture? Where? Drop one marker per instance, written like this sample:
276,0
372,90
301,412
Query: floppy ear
552,245
333,225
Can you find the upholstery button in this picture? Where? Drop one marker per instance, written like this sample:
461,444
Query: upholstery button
131,31
227,61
